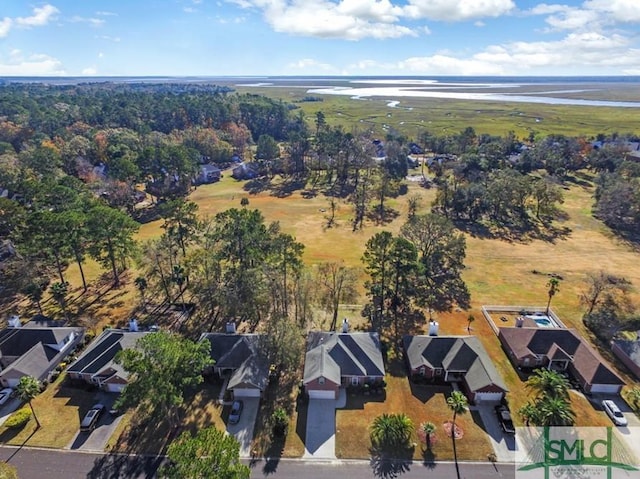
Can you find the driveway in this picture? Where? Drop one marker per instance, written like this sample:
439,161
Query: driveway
320,439
504,445
243,430
96,440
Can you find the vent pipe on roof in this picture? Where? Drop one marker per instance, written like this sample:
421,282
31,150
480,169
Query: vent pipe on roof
231,327
433,328
14,321
519,322
345,325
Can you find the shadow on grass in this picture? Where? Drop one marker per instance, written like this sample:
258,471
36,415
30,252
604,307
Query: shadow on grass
287,187
390,463
17,430
357,400
425,392
515,233
301,423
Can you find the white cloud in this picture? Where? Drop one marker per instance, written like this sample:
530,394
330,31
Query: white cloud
89,71
458,10
102,13
5,26
310,64
479,23
41,16
581,52
189,10
109,38
346,19
94,22
620,10
35,65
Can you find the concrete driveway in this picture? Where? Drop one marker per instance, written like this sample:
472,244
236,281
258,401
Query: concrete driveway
320,438
504,445
243,430
96,440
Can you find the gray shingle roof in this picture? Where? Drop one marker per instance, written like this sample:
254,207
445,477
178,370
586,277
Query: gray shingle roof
240,352
33,351
333,355
454,353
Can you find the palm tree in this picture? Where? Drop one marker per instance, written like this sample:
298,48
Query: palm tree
545,382
529,413
428,428
470,319
28,388
391,432
553,286
555,412
458,403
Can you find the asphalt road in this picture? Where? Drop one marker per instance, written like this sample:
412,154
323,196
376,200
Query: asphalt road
56,464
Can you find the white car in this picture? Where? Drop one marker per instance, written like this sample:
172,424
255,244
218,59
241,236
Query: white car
613,411
5,395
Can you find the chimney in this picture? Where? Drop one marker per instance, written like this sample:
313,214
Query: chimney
345,325
231,327
133,325
14,321
433,328
519,322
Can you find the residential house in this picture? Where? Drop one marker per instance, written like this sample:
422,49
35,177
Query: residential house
208,174
561,350
96,365
31,350
334,360
239,359
455,359
629,353
244,171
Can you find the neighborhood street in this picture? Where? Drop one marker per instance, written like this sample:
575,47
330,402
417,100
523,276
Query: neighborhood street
55,464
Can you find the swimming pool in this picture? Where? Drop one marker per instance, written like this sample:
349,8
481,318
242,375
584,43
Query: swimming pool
542,320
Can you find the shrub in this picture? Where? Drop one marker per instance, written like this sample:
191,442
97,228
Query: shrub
280,422
19,418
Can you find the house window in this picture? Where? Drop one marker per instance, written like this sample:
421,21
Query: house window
526,361
439,372
320,380
422,371
354,381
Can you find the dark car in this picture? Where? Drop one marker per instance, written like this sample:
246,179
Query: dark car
504,417
236,410
90,420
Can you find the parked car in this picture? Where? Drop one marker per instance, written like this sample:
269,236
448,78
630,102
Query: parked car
236,410
90,420
504,417
614,412
5,395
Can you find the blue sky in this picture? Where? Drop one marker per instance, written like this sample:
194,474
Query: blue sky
319,37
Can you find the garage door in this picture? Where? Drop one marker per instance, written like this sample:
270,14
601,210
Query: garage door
488,397
318,394
605,388
114,388
246,393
